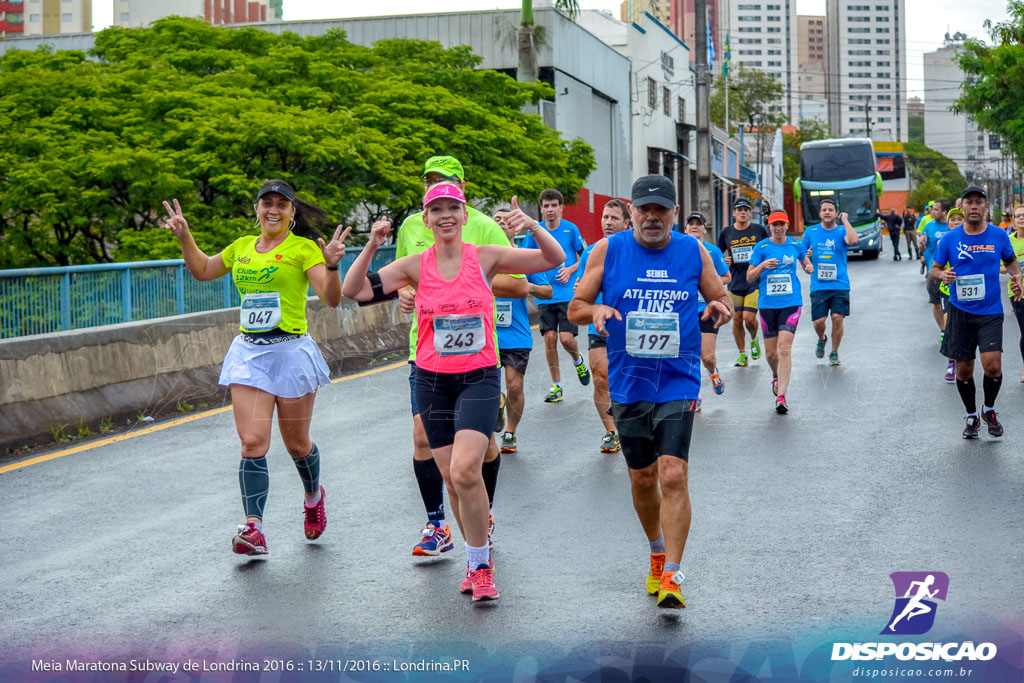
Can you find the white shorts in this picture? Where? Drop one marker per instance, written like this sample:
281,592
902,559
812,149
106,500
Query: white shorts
289,369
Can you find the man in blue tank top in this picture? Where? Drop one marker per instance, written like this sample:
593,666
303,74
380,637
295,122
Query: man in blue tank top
649,278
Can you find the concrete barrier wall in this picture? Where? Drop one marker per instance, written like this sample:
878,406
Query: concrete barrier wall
150,367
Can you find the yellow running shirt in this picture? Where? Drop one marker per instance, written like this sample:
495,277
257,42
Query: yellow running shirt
282,270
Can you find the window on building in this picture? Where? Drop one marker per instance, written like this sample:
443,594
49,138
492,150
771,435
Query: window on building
749,29
773,29
749,18
860,74
881,18
773,41
652,94
775,52
881,41
682,110
775,7
882,29
666,101
882,52
883,119
755,8
861,63
884,86
66,16
771,63
860,86
774,18
858,30
884,97
882,64
883,74
754,64
859,19
126,16
749,52
855,53
886,108
881,8
33,17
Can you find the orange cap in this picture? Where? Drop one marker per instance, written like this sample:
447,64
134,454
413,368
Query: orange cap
778,217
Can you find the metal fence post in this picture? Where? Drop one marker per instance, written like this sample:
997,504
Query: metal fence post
126,295
65,301
179,287
227,290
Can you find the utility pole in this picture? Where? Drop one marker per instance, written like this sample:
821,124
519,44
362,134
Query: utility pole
703,94
867,114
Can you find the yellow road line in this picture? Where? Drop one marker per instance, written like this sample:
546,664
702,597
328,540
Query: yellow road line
157,428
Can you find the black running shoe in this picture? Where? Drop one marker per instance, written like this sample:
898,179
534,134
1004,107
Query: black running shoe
973,425
994,428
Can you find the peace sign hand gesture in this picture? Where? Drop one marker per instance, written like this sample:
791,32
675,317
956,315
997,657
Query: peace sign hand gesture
335,249
175,222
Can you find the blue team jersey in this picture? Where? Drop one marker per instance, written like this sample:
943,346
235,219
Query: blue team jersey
828,256
654,351
975,259
780,287
934,231
568,235
584,257
512,319
721,267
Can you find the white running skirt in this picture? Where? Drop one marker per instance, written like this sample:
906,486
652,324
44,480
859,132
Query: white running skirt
289,369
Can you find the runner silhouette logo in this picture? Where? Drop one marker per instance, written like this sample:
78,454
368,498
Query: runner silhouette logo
916,593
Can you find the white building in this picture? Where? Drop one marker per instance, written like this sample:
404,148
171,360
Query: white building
139,13
866,71
763,155
50,17
955,135
763,36
662,110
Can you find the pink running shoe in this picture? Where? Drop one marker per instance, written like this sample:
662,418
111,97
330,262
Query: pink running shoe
483,584
249,540
467,584
316,517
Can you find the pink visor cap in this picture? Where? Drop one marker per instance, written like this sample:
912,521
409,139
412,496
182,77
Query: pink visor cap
443,190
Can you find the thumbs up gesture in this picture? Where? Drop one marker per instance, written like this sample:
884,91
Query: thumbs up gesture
518,218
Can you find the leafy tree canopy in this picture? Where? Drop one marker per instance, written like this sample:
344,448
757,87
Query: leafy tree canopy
993,92
935,175
202,113
751,96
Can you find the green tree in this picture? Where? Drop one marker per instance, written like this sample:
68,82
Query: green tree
934,175
204,113
751,96
809,129
993,90
915,129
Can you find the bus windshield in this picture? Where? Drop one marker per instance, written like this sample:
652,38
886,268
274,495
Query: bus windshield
837,162
858,202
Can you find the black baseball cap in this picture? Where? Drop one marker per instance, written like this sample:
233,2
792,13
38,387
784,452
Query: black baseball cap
742,201
699,216
974,189
280,188
654,189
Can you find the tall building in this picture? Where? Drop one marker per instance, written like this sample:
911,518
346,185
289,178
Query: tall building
47,17
682,21
12,18
866,69
763,36
810,78
137,13
955,135
632,10
915,106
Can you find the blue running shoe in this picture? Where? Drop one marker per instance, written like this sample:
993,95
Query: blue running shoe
435,541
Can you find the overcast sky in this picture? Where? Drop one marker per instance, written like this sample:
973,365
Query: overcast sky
927,20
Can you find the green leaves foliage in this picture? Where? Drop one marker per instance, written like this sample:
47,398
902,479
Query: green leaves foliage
751,96
993,90
202,113
935,175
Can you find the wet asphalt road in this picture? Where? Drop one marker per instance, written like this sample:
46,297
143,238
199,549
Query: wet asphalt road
798,520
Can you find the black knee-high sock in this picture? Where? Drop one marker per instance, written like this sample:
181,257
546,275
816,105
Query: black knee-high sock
491,477
990,385
254,481
966,389
431,484
309,470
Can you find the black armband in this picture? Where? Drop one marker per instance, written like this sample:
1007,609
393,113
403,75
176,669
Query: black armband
378,290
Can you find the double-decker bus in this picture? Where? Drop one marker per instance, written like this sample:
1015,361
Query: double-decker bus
842,169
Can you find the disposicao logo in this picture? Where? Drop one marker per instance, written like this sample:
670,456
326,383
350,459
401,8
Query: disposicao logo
914,614
916,593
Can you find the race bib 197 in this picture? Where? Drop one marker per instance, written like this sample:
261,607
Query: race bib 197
260,312
652,335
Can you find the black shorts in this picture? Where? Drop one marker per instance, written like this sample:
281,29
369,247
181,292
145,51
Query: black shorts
825,300
708,326
556,317
967,332
517,359
452,402
649,430
596,341
934,294
775,320
412,389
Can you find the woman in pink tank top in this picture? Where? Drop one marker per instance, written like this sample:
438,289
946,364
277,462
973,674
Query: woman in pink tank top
457,381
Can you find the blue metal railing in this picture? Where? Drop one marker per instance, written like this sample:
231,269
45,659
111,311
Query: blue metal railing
43,300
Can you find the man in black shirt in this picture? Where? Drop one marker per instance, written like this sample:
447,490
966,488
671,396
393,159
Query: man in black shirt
736,242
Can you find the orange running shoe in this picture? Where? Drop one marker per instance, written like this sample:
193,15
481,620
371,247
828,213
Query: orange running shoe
668,594
654,578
